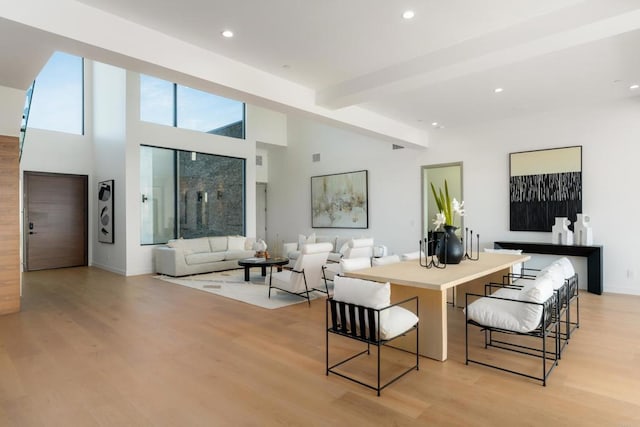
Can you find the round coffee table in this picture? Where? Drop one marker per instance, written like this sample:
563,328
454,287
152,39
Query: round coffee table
247,263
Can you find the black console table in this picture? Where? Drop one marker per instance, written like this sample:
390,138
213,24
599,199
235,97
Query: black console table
592,253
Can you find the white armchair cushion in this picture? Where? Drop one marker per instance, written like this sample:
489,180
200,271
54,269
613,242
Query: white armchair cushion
513,315
567,267
389,259
361,243
352,264
411,256
303,240
556,273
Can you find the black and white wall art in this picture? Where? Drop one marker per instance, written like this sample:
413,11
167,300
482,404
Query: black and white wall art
544,184
105,211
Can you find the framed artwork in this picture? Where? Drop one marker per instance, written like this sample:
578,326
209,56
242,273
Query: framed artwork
105,211
544,184
340,200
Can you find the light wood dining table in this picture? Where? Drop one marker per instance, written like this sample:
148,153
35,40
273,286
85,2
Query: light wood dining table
408,278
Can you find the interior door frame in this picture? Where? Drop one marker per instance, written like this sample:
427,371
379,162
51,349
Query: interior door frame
25,212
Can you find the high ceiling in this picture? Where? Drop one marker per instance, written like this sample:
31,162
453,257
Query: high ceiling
441,66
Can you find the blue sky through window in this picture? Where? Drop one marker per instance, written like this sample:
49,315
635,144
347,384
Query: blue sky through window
196,110
57,102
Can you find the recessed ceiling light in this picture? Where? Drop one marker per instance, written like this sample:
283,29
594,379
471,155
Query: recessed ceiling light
227,33
408,14
634,87
498,90
434,124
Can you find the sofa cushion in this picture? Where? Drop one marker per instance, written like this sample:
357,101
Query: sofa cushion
236,243
218,243
204,257
194,246
229,255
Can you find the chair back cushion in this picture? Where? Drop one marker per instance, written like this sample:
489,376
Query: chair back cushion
409,256
567,267
389,259
303,240
556,273
352,264
362,292
359,248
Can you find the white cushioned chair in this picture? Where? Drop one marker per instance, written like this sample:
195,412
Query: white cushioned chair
527,311
565,285
362,310
356,248
306,275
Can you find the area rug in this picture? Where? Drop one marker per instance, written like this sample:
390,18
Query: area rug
231,284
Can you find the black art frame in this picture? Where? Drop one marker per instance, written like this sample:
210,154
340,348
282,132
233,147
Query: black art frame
340,200
544,184
105,211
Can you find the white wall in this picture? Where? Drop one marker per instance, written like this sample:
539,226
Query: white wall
11,105
109,139
608,134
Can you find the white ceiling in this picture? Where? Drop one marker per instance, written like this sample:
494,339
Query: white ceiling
442,66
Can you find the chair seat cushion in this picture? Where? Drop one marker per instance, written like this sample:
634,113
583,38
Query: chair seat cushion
512,314
397,322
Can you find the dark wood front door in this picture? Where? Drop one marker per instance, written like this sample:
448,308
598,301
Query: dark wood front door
56,232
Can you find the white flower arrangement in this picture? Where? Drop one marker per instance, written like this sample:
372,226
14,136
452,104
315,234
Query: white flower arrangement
446,206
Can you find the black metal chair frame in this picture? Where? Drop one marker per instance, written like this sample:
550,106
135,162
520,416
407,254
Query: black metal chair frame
548,328
567,294
304,294
369,335
326,285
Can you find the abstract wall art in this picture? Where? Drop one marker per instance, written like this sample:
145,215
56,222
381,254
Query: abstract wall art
543,185
340,200
105,211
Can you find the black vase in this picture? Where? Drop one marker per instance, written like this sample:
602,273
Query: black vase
454,249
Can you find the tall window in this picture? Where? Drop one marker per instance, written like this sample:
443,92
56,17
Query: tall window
171,104
58,96
188,194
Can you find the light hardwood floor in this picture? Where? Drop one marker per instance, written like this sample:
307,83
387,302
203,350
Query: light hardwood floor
93,348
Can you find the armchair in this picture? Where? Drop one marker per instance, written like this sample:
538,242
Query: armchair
306,273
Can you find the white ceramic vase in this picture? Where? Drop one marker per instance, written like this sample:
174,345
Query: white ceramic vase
560,233
582,230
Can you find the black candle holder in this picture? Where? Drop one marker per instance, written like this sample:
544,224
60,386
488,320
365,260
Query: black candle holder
431,261
468,245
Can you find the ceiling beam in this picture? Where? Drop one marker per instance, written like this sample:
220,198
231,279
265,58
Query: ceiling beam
582,23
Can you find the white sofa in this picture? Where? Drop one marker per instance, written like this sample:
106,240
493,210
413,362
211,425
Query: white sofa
181,257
